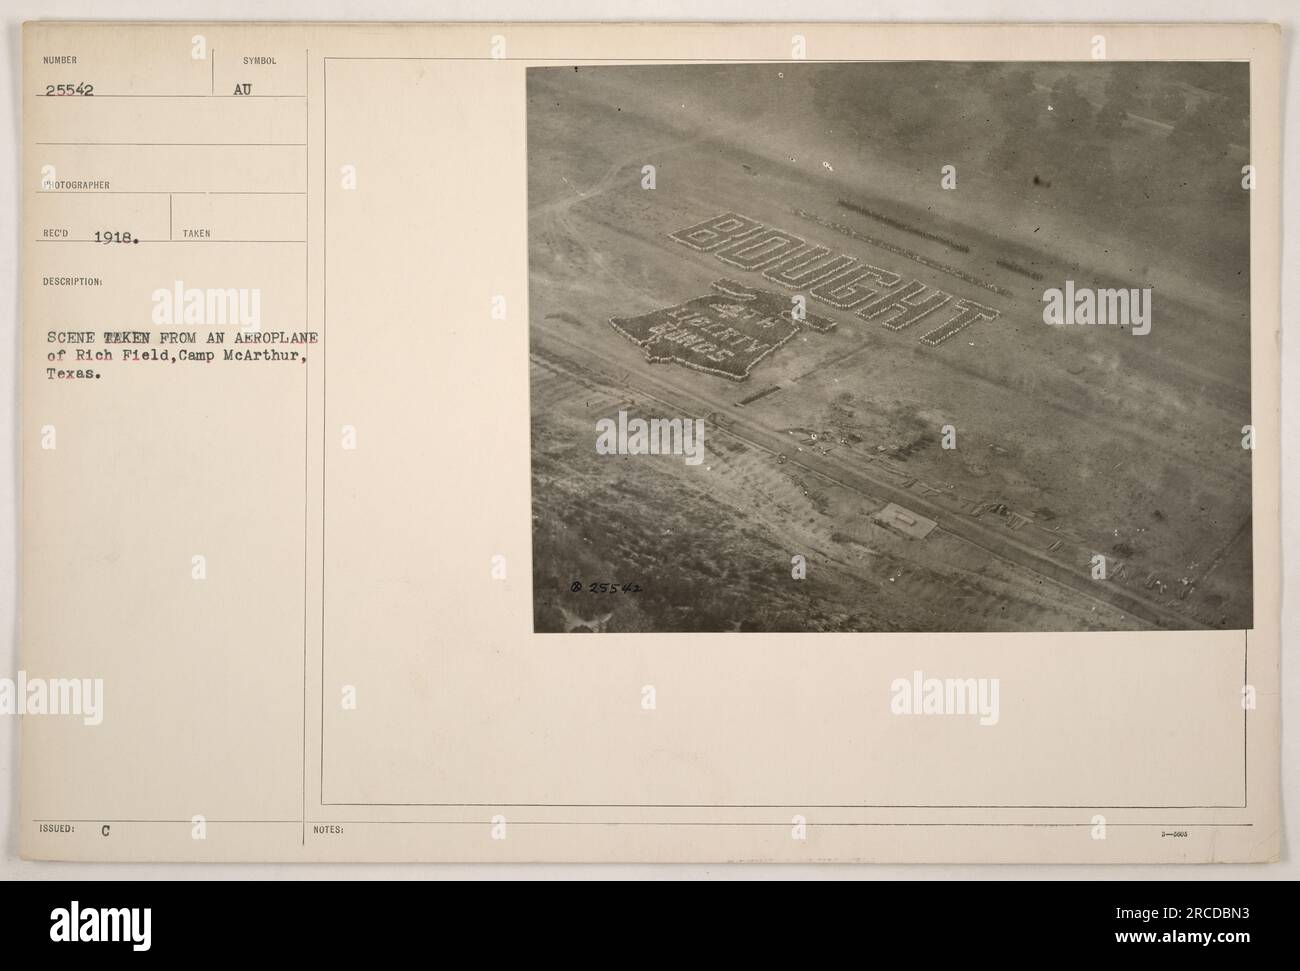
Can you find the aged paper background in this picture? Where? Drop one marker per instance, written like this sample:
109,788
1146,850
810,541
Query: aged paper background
223,716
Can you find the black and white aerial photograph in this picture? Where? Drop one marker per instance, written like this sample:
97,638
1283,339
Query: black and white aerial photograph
899,346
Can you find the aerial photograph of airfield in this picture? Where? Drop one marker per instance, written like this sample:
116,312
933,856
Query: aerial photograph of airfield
967,346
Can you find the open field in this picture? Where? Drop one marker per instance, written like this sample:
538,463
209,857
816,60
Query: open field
1071,442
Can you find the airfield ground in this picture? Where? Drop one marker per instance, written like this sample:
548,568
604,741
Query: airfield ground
1071,442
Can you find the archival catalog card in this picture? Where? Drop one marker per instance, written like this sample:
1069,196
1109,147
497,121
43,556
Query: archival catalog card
650,442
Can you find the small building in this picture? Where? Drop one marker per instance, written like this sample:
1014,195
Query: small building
905,521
